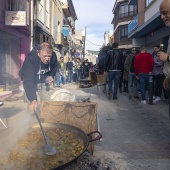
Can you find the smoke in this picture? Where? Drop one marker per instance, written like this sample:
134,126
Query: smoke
18,126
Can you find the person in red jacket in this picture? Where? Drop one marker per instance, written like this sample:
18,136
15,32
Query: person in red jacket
143,66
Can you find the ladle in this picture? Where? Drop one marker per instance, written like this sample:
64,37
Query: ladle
48,149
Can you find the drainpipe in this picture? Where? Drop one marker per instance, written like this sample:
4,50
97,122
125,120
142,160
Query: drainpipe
32,23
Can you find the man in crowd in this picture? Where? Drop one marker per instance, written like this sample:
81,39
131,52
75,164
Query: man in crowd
37,73
165,15
62,70
157,74
130,72
69,68
143,66
114,66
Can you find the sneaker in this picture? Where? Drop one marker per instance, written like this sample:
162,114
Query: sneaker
157,99
136,97
115,98
143,101
130,97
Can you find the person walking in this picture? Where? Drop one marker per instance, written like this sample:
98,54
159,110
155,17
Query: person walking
129,72
113,67
77,68
69,68
37,73
62,70
157,75
143,66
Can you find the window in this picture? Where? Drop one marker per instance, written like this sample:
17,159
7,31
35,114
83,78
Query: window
123,32
127,10
148,2
123,11
40,10
18,5
47,14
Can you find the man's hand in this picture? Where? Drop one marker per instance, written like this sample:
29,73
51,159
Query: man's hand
50,80
137,77
33,105
166,83
162,56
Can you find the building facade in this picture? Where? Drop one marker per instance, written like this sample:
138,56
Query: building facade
147,27
41,21
15,41
27,23
123,14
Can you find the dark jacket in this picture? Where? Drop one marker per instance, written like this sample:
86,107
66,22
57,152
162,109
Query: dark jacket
69,66
34,71
114,60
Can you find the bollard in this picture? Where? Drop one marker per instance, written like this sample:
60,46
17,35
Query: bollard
150,89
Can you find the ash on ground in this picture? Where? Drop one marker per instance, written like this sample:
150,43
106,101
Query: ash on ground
89,162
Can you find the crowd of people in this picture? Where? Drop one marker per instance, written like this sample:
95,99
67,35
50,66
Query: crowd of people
131,72
72,71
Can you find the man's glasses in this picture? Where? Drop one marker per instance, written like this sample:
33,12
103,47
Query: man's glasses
133,50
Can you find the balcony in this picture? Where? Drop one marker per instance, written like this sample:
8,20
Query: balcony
66,10
60,39
133,24
127,14
132,2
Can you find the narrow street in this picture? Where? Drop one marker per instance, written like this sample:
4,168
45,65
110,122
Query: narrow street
135,136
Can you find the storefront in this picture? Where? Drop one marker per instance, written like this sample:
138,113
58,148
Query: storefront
13,50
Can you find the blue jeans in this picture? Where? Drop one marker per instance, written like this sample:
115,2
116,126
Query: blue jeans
144,82
113,75
70,76
63,77
132,82
57,77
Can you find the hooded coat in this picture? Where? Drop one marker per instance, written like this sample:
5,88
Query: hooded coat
34,72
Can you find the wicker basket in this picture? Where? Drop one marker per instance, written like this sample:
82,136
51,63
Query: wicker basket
80,115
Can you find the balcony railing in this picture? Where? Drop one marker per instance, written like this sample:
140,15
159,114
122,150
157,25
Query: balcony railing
127,14
133,24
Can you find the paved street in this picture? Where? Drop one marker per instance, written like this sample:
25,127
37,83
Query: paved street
135,136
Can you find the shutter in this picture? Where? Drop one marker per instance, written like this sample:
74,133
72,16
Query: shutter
9,61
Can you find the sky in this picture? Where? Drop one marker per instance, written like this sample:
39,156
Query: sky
96,16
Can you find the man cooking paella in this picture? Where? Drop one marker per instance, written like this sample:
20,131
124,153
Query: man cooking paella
37,73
